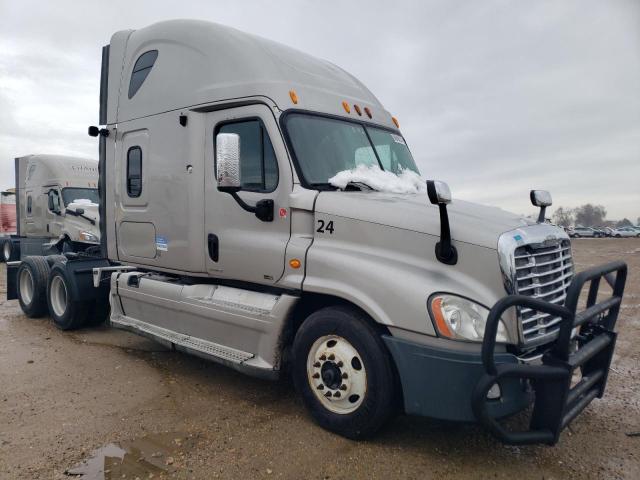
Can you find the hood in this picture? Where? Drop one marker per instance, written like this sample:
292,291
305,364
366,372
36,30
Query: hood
469,222
90,209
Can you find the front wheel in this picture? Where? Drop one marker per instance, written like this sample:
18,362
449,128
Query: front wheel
343,372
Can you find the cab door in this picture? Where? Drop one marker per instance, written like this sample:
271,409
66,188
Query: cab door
239,246
55,212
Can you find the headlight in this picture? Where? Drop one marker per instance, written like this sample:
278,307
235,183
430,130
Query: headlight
461,319
88,237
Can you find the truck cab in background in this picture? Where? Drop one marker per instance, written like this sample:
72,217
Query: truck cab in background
224,233
56,206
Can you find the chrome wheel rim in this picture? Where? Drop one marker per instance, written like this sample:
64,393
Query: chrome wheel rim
26,286
336,374
58,296
7,251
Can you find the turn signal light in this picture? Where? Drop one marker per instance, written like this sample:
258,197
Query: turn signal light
395,122
346,107
436,308
295,263
294,97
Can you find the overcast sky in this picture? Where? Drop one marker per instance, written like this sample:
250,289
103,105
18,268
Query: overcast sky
493,97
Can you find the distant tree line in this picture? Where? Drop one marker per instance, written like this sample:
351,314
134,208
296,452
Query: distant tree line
587,215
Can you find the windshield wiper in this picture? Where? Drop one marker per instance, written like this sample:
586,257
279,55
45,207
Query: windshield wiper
359,186
323,186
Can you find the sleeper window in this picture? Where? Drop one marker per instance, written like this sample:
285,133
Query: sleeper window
140,70
134,172
29,203
258,165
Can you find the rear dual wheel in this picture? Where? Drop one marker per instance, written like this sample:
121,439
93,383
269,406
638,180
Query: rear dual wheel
343,372
9,250
32,276
66,313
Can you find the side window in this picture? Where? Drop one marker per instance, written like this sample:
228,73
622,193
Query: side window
258,165
134,172
29,205
140,71
54,201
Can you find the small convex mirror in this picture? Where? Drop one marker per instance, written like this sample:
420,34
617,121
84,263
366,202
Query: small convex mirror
540,198
228,161
438,192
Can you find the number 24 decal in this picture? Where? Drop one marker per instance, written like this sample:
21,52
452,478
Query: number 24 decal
324,227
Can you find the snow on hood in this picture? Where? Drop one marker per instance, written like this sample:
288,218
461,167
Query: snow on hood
83,201
381,180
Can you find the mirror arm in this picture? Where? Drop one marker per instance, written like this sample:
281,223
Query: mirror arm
541,215
263,210
445,251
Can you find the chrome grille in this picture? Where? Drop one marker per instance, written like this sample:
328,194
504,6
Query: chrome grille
543,272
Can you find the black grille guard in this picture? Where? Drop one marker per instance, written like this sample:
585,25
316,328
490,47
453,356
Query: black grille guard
556,402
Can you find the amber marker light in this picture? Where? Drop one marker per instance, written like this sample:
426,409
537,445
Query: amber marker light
395,122
436,309
357,109
294,97
295,263
346,107
368,112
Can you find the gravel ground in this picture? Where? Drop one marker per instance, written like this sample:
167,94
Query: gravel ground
64,395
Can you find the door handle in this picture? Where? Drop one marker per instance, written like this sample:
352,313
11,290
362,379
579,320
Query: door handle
213,246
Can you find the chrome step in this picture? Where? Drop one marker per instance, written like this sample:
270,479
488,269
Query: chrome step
186,341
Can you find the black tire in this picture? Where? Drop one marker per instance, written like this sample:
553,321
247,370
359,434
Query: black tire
32,277
53,259
618,236
10,251
66,313
380,399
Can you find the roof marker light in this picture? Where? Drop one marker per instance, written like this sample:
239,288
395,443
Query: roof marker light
368,112
395,122
357,108
294,97
346,107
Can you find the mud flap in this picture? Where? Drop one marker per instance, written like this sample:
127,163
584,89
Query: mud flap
12,280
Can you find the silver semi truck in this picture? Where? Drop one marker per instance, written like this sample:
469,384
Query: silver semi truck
56,206
259,207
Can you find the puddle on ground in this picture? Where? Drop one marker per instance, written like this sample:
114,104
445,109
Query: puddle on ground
146,457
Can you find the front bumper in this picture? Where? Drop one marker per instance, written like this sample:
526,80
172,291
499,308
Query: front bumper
439,383
454,386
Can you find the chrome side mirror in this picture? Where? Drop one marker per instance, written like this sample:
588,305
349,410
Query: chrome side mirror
228,175
542,199
439,194
228,162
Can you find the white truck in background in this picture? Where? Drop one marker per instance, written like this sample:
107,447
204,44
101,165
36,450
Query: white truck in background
56,205
224,233
7,220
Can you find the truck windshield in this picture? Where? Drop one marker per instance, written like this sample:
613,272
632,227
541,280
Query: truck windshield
72,194
325,146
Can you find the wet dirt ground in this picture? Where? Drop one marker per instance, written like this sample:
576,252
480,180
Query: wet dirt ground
152,413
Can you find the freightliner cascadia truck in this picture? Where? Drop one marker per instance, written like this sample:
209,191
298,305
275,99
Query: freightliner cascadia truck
255,210
56,206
